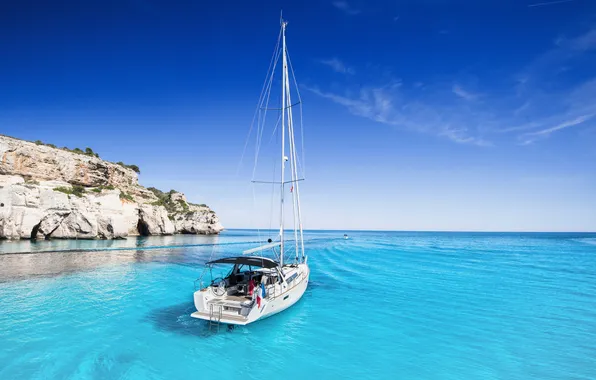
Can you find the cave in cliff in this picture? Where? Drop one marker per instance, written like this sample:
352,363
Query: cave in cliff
143,228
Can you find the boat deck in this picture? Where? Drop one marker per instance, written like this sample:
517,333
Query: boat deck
225,318
234,298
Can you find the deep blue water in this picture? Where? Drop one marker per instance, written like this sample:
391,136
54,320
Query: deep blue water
394,305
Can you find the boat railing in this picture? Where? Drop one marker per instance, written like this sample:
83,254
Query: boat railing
200,280
271,292
271,295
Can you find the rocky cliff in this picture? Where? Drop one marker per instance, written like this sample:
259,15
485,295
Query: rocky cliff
46,192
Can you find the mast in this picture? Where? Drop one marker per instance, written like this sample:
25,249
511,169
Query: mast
283,136
287,104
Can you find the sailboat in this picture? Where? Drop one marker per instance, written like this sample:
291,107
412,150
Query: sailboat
254,287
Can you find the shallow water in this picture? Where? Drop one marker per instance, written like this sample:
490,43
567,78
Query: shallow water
380,305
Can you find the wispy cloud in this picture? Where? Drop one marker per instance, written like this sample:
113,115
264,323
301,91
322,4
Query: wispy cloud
549,3
571,107
565,50
568,105
345,7
521,108
582,43
386,105
530,137
459,91
531,105
338,66
372,103
462,136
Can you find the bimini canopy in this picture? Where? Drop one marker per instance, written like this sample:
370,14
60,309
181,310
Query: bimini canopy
261,262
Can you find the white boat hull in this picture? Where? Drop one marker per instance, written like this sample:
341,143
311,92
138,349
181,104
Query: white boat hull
220,310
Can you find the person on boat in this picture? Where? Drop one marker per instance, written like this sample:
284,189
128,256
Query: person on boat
258,293
251,286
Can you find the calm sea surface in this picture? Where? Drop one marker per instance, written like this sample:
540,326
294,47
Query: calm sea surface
386,305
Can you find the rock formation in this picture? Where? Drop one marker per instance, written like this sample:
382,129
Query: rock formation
47,192
190,218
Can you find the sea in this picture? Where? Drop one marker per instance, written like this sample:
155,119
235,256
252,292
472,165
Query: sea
380,305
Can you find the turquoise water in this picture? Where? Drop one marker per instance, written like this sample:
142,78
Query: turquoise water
399,305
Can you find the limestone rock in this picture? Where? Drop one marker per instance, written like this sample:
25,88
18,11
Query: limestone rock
199,220
77,225
41,162
50,223
188,218
153,220
38,200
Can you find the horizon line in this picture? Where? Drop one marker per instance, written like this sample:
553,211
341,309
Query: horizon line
441,231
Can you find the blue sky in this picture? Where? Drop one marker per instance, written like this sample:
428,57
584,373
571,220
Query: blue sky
419,115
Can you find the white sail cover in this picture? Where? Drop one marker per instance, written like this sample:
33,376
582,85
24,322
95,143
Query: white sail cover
261,248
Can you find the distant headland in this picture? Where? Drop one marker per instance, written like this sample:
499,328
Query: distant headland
48,192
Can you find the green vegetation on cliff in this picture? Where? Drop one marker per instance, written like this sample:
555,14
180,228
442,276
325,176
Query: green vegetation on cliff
77,190
135,168
164,199
89,152
99,189
173,206
126,197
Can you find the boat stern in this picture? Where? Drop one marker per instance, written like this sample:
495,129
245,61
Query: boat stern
221,309
200,298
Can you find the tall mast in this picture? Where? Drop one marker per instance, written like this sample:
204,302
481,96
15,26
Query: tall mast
283,136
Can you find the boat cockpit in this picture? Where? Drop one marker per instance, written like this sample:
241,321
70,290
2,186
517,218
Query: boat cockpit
246,274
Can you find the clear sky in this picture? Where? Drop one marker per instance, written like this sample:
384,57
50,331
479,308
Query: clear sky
419,115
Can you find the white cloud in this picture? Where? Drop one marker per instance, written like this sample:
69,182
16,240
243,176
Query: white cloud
345,7
433,111
530,137
462,136
385,105
521,108
531,105
585,42
459,91
549,3
550,63
338,66
551,112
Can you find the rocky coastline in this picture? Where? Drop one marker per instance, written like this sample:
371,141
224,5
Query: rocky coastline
48,192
